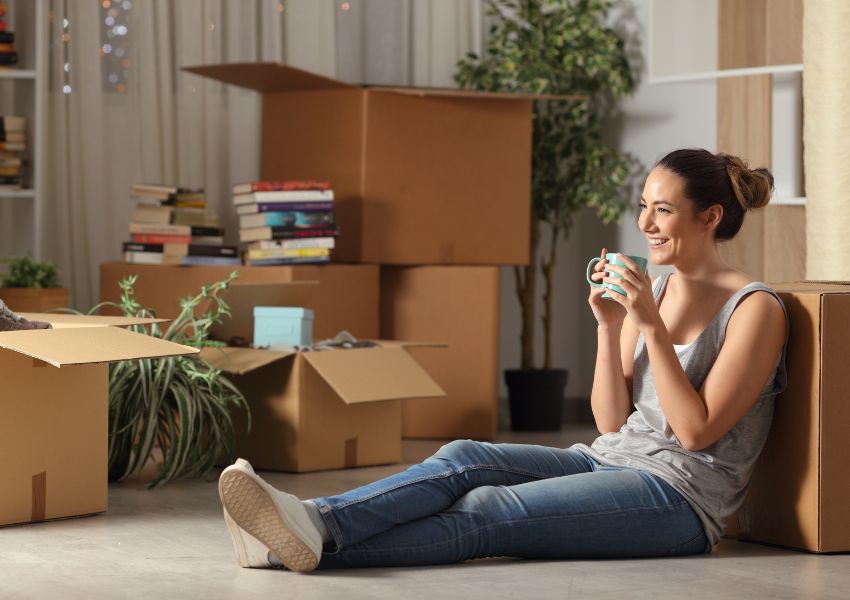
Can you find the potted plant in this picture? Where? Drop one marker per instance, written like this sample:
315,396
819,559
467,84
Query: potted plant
31,285
177,408
556,47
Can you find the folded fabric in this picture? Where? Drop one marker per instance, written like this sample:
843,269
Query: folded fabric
341,341
9,321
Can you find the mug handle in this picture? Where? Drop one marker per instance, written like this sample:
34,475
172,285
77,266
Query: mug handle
592,262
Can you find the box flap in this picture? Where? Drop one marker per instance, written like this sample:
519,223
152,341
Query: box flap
472,94
373,374
243,297
268,77
60,321
238,361
84,345
828,287
403,344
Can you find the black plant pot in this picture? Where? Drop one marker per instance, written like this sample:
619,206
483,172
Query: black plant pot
536,398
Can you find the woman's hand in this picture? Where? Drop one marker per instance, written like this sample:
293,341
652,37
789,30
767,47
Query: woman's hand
638,301
608,314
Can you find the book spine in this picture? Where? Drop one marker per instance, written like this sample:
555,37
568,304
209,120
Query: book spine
286,233
152,238
289,206
201,230
225,251
289,261
311,242
269,186
210,260
8,58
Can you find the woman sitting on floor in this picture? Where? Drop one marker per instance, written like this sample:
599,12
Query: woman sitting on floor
700,358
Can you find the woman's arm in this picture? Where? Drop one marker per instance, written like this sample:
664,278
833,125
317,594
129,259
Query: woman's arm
754,338
611,398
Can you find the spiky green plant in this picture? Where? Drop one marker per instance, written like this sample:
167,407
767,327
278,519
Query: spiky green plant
179,405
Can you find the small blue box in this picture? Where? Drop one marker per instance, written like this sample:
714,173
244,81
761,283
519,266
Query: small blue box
288,325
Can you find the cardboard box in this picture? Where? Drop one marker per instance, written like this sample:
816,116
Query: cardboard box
54,407
348,297
320,410
458,306
800,488
420,176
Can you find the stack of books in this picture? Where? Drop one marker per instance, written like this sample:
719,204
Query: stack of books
12,143
286,222
8,53
171,225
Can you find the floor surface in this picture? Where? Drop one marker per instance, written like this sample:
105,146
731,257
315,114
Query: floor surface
171,543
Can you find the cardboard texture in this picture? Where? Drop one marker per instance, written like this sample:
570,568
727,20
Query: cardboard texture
322,410
420,176
347,298
317,410
53,429
459,306
798,494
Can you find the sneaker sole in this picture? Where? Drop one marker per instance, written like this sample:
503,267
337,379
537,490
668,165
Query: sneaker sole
253,510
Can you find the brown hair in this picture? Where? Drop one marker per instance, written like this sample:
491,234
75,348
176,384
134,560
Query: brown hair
721,179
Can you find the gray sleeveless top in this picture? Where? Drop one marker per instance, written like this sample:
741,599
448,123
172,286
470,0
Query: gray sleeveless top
713,480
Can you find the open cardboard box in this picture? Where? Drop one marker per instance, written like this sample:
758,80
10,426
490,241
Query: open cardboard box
54,410
317,410
799,492
420,175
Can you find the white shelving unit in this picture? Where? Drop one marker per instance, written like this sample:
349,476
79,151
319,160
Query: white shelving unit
23,93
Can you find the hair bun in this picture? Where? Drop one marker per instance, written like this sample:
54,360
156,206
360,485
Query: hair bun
753,187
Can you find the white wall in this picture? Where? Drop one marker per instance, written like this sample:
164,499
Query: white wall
657,119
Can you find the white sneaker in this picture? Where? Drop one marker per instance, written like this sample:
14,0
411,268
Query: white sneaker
250,552
275,520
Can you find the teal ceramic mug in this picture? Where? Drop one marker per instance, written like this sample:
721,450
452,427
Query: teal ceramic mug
611,257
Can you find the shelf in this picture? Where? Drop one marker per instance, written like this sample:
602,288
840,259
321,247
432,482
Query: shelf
788,201
710,75
17,74
17,194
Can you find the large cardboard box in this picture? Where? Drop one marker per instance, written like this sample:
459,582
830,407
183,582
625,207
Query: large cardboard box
420,176
53,412
458,306
324,409
348,296
800,488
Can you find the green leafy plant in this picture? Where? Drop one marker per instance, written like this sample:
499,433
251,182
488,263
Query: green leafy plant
26,272
558,47
179,405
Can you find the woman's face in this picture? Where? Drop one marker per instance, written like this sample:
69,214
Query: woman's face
667,219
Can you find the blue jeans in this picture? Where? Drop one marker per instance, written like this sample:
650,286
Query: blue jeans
475,500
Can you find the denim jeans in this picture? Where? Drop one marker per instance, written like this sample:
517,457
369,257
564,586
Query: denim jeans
475,500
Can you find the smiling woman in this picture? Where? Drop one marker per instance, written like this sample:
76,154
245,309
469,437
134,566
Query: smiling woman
700,360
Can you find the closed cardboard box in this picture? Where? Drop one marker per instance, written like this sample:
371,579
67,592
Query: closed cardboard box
420,176
319,409
458,306
800,488
53,412
347,299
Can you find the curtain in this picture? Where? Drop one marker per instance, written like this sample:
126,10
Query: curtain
169,126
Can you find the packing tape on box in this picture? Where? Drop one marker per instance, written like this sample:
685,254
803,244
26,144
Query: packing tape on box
351,452
39,496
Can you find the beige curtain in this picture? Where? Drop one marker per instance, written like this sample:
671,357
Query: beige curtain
826,131
174,127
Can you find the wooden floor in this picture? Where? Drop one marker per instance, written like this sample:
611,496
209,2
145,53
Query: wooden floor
171,543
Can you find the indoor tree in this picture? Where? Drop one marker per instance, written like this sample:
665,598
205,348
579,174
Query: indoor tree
558,47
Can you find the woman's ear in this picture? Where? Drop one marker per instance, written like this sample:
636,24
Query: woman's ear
712,216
